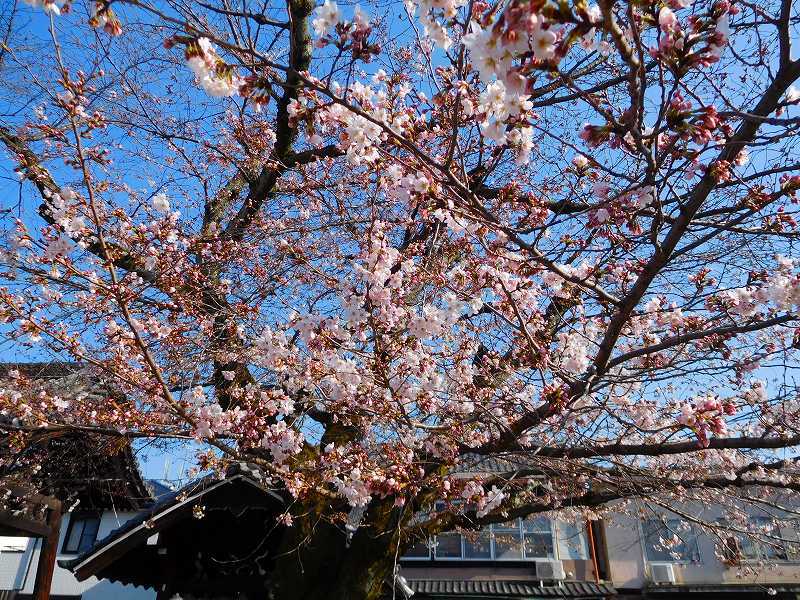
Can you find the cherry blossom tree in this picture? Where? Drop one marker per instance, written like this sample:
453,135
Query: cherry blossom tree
359,246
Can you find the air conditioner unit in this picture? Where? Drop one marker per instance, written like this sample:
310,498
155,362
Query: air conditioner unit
662,573
550,569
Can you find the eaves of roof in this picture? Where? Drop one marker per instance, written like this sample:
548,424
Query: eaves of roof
150,522
501,589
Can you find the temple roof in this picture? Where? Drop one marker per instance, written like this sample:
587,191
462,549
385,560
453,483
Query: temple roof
93,470
180,524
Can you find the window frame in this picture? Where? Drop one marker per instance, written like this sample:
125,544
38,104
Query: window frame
15,547
520,541
665,520
552,531
757,544
491,530
561,538
427,542
464,542
448,558
81,518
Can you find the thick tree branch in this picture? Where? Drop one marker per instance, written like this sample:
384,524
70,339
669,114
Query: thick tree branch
285,131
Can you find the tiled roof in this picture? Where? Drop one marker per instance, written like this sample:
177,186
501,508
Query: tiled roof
162,503
101,471
530,590
757,590
66,379
494,463
42,370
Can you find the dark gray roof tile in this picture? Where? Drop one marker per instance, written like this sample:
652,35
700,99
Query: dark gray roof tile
487,588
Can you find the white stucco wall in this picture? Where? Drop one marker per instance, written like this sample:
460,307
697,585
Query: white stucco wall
18,569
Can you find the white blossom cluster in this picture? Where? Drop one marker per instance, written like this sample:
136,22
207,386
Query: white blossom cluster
781,289
205,66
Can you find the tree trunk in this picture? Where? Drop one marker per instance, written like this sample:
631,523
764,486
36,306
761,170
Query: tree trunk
319,562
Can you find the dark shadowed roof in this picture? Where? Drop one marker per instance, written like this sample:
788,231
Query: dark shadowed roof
167,510
42,370
494,463
98,470
497,589
722,590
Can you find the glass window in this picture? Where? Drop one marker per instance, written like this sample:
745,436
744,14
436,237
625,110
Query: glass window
768,547
759,544
572,541
538,538
514,540
670,540
81,533
793,547
448,545
478,544
507,542
746,547
419,550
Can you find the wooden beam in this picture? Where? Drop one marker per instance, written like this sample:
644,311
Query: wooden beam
31,497
22,522
47,557
27,526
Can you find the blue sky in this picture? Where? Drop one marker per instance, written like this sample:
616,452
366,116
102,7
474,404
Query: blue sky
156,461
32,28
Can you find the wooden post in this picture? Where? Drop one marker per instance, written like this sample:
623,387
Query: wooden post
598,529
47,557
593,550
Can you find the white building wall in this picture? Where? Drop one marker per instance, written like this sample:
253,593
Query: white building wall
18,569
630,568
625,557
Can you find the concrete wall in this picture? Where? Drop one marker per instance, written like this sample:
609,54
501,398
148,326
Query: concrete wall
630,569
18,569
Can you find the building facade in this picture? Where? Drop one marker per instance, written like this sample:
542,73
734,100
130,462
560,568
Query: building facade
533,557
656,553
94,479
79,531
643,552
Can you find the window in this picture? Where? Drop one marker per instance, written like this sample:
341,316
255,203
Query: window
514,540
448,545
81,533
670,540
507,541
538,537
13,544
759,544
767,547
572,541
478,545
793,542
419,550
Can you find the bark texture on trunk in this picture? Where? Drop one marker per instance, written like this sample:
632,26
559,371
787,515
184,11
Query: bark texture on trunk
317,561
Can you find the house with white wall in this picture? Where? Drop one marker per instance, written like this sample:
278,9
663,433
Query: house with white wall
655,553
639,551
94,479
79,530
